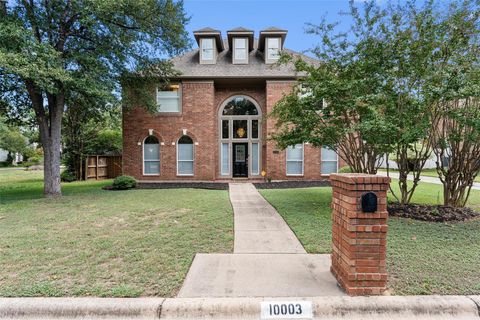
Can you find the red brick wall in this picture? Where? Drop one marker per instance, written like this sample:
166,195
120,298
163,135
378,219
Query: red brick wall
359,239
198,117
201,101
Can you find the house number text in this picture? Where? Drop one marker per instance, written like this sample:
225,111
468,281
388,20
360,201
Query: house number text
286,310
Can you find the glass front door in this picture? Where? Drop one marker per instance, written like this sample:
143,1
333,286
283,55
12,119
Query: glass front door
240,160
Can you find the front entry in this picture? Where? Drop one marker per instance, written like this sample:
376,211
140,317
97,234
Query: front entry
240,160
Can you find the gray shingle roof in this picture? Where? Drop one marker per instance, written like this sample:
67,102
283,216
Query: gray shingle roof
189,66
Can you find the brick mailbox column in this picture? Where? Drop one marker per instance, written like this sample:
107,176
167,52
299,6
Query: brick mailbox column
359,232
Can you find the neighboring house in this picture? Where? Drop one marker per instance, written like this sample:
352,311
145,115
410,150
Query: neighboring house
211,121
4,155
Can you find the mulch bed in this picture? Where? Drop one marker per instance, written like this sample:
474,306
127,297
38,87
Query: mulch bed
433,213
177,185
291,184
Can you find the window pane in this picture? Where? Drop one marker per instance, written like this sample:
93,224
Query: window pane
240,43
254,129
240,106
328,154
294,167
329,167
168,98
225,159
207,54
185,151
207,43
151,152
185,167
295,152
240,54
240,129
225,129
152,167
273,46
255,158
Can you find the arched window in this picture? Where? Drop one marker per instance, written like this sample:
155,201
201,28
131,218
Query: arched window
151,156
240,106
185,156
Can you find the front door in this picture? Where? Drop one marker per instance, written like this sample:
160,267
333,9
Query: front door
240,160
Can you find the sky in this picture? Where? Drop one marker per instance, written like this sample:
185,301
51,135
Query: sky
291,15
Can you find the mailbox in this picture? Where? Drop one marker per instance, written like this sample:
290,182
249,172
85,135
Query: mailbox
369,202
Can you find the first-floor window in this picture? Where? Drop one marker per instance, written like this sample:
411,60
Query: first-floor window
151,156
185,156
295,160
329,161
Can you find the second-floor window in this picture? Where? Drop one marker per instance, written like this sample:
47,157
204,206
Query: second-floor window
273,48
207,54
169,99
240,50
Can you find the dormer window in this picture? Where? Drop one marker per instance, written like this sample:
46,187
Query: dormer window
210,44
207,52
271,43
273,48
240,50
240,42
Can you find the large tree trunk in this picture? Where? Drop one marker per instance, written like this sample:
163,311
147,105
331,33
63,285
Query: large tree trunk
50,124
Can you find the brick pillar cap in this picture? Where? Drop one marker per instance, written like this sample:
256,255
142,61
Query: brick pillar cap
357,178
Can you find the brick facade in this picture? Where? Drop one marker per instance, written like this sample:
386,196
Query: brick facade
359,238
201,103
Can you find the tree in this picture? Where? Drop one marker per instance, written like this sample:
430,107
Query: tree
57,49
340,103
455,133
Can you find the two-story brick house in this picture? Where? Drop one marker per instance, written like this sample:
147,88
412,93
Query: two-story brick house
211,122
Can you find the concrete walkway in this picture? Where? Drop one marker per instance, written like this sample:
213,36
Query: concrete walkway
258,226
434,180
268,259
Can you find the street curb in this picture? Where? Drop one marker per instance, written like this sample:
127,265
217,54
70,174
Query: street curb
80,308
332,308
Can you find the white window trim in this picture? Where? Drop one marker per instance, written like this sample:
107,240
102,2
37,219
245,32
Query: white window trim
214,52
143,159
193,160
303,163
267,58
322,161
235,59
179,98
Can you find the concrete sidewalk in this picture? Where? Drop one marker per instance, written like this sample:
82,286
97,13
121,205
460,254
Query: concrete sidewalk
322,308
394,175
268,259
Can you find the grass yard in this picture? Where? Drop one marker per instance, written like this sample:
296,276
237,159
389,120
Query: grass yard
92,242
422,257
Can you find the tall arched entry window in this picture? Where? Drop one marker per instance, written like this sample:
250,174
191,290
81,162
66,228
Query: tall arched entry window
185,156
240,137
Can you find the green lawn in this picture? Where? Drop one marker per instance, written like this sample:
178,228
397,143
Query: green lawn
92,242
422,257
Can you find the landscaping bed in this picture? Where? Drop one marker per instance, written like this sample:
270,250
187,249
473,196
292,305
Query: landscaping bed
182,185
434,213
291,184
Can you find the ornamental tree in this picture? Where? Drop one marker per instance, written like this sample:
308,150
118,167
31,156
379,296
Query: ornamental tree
57,49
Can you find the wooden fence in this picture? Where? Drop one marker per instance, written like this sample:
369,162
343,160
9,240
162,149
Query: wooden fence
103,167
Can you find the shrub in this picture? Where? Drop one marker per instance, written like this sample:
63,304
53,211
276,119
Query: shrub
346,169
67,176
124,183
